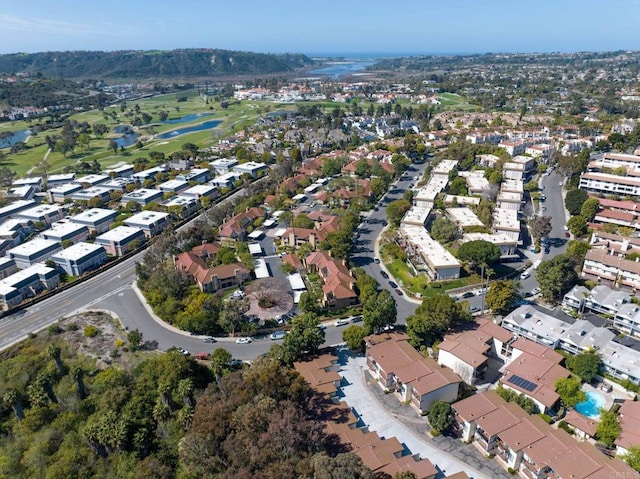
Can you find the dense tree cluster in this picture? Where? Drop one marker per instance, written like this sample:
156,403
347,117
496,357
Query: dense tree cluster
556,276
63,416
433,318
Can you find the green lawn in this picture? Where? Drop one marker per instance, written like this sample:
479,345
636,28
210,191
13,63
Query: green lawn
420,284
233,118
453,101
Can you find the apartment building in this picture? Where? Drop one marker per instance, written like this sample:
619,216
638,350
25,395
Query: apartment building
528,445
399,367
426,254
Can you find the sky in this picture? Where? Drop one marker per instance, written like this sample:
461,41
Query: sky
347,27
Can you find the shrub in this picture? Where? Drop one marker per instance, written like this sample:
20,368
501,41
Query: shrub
119,343
53,330
91,331
546,418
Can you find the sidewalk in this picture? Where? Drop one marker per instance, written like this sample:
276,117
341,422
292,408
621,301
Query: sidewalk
384,414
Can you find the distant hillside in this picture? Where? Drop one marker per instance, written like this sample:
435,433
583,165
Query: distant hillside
151,64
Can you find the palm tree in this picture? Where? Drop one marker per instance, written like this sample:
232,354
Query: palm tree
185,389
53,352
13,400
78,376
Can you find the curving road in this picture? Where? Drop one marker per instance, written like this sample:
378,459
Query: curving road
112,290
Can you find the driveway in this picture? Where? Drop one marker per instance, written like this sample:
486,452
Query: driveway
384,414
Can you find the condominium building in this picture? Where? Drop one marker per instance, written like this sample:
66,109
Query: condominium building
428,255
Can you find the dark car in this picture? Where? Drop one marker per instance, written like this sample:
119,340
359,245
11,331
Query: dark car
392,284
398,291
376,260
468,294
384,274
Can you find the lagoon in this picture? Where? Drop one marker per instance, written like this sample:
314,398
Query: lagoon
341,68
186,118
16,137
207,125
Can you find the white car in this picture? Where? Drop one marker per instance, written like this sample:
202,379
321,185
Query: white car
535,291
277,335
245,340
342,322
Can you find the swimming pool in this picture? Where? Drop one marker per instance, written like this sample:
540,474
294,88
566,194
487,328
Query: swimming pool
591,407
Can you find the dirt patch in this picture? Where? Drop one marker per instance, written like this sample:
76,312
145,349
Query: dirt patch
269,291
98,335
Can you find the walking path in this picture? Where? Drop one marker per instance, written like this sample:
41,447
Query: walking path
384,414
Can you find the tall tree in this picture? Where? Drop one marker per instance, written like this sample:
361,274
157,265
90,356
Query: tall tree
379,311
585,365
608,428
433,318
305,337
577,225
589,209
574,200
502,296
570,391
439,416
479,252
444,230
556,276
396,210
354,337
540,227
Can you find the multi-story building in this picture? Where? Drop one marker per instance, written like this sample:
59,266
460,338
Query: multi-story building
197,175
32,252
119,241
142,196
397,366
66,231
89,181
527,445
428,255
609,184
173,186
97,220
151,222
27,283
252,168
222,166
80,258
14,208
93,193
62,192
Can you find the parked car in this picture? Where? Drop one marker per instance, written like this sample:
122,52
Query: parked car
468,294
567,234
277,335
342,322
393,284
535,291
209,340
356,319
384,274
185,352
376,260
398,291
202,356
245,340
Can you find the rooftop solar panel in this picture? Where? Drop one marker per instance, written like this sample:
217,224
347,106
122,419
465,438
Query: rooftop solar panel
522,383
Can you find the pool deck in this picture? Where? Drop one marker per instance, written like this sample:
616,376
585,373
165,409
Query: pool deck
609,397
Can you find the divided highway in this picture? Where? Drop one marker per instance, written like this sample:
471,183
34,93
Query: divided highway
112,290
